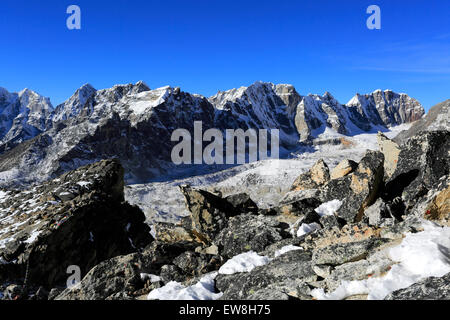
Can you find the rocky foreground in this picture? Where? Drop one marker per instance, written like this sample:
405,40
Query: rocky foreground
334,226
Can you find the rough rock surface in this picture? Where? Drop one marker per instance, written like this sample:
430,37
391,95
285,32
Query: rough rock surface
285,275
209,213
344,168
249,232
365,185
391,151
69,221
433,288
423,161
317,176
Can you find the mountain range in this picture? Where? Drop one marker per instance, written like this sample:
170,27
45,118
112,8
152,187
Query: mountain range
134,124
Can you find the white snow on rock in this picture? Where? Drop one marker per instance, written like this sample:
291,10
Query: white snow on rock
286,249
244,262
307,228
328,208
202,290
151,277
419,256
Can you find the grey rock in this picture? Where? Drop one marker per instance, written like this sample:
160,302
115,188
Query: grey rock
357,270
423,161
377,212
196,264
77,232
433,288
249,232
209,213
341,253
366,183
242,203
284,274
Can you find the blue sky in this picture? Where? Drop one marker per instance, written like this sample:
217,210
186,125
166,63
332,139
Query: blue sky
204,46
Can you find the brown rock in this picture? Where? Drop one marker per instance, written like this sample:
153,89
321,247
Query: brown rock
391,151
344,168
317,176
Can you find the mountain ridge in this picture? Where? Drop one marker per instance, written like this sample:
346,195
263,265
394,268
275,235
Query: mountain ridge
131,122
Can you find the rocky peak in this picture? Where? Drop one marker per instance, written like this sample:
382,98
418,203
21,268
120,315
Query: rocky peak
387,107
75,104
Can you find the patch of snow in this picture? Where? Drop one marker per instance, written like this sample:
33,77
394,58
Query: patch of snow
244,262
419,256
202,290
308,228
153,278
286,249
83,183
328,208
34,235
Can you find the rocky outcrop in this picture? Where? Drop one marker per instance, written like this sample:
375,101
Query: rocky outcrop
365,185
68,221
250,233
282,278
391,151
422,162
344,168
318,175
436,119
433,288
209,213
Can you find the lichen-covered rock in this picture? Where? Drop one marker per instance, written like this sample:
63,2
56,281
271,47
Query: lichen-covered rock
433,288
285,274
122,274
341,253
377,212
196,264
357,270
117,275
439,207
338,188
345,167
209,212
47,234
171,233
249,232
365,186
300,203
422,162
318,175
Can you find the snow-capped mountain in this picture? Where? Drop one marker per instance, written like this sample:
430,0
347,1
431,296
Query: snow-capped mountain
135,124
75,105
437,118
387,107
23,116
